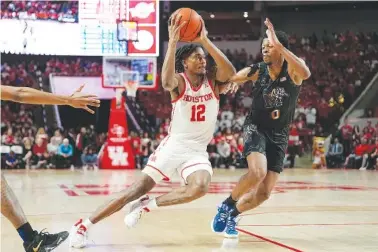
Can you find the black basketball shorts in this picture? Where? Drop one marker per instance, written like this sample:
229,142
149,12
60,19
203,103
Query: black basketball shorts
270,142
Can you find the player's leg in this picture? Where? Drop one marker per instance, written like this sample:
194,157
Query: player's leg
250,201
275,152
254,150
197,177
78,234
139,188
254,198
150,176
257,170
12,210
198,185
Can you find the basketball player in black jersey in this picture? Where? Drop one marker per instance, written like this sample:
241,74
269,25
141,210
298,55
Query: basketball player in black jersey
277,81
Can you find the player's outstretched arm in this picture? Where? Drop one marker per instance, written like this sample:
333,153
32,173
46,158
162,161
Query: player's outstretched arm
250,73
33,96
225,69
168,77
297,68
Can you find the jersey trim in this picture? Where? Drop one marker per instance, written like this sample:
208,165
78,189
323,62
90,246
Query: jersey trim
182,92
213,88
165,177
195,89
182,171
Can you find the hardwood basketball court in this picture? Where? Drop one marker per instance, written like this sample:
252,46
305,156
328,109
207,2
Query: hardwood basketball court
323,210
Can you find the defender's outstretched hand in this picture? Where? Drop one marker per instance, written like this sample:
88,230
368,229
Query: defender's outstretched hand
80,100
271,33
231,87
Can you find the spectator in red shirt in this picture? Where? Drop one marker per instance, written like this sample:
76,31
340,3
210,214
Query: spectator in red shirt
40,154
346,134
8,137
218,137
229,136
136,147
240,145
346,130
369,128
366,133
355,159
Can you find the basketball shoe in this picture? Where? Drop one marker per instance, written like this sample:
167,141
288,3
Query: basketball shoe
220,220
78,235
44,242
136,211
232,222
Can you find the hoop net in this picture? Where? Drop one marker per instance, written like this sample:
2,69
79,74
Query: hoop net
130,80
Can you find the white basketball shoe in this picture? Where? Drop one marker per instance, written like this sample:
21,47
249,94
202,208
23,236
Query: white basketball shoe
78,235
136,211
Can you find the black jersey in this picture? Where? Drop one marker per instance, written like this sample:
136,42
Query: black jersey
274,102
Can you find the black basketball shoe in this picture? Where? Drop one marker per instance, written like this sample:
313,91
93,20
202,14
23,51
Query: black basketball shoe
44,242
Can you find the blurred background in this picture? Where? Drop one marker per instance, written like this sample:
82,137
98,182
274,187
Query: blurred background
57,45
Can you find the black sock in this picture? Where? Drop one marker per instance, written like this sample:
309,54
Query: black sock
235,212
26,232
229,201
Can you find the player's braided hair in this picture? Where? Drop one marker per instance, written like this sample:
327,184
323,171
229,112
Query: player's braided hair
182,53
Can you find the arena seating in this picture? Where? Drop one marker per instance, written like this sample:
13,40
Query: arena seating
62,11
341,66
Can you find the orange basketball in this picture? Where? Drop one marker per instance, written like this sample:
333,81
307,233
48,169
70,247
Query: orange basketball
192,29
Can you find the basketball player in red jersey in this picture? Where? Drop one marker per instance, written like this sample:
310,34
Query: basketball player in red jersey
194,93
10,207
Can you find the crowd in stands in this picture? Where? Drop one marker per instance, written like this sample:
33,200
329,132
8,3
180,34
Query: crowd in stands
62,11
354,148
23,72
23,145
341,66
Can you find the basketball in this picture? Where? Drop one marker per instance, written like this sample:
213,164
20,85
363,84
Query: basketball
193,27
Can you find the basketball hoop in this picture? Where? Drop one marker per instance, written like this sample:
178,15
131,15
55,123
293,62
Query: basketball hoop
130,80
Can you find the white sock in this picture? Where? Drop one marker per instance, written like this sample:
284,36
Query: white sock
152,204
87,223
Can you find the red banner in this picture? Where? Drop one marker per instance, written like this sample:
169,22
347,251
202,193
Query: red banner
117,153
146,13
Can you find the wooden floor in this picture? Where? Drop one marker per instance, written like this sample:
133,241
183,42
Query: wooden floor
310,210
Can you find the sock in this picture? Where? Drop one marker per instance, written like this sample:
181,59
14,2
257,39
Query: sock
87,223
26,232
229,201
152,204
235,212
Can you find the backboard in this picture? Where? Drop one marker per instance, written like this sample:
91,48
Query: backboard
118,72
